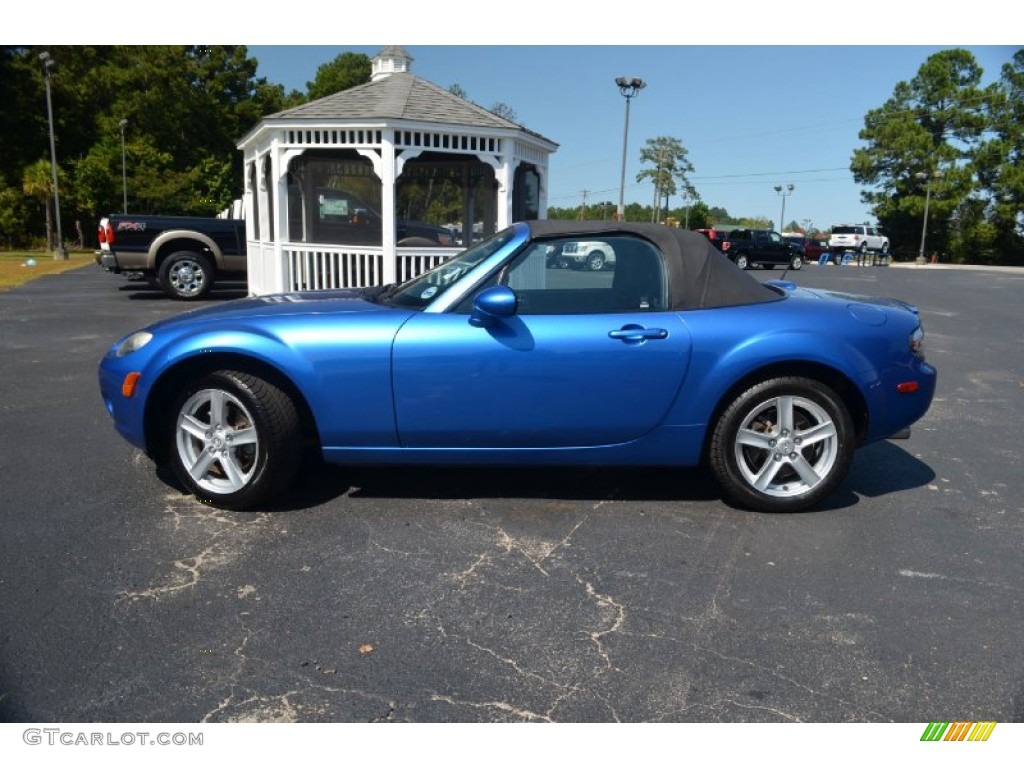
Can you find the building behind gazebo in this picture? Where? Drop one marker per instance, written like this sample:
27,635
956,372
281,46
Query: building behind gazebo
338,191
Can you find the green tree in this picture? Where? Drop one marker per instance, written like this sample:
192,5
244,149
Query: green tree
12,216
347,70
503,110
695,216
930,124
185,107
37,184
670,164
1000,161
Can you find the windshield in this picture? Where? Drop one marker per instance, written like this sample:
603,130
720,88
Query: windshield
421,291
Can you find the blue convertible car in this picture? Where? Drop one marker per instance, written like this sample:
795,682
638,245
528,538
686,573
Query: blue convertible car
671,356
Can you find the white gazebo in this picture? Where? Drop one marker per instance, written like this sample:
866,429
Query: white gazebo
380,182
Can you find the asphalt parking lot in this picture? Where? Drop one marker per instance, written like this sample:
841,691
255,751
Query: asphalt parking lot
441,595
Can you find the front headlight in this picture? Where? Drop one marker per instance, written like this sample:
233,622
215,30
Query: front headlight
133,343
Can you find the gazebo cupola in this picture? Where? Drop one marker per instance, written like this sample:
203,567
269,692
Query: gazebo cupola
390,60
382,181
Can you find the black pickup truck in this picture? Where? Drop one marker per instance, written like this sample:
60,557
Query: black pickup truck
183,255
762,248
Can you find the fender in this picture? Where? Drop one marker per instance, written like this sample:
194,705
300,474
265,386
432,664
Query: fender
170,235
718,374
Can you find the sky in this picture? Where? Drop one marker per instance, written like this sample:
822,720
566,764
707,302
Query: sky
751,117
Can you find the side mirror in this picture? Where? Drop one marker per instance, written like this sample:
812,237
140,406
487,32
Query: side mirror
492,304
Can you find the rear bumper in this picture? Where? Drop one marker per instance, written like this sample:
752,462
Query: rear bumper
107,260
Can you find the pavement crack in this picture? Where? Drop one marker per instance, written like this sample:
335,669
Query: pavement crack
598,636
501,706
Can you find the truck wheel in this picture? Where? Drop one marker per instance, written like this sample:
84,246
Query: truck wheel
595,262
741,261
186,275
796,262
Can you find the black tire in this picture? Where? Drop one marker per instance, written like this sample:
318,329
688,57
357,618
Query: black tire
186,275
769,461
742,261
596,261
797,262
235,440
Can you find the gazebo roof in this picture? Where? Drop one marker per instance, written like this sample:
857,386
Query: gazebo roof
401,96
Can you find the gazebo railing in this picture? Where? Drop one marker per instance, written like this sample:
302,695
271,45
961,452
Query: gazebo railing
323,267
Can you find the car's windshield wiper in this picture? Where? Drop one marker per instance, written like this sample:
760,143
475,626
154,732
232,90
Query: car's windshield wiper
381,293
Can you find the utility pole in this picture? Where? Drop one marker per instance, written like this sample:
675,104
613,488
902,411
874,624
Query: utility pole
583,207
59,253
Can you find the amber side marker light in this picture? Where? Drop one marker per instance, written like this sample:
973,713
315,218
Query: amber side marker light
908,386
128,387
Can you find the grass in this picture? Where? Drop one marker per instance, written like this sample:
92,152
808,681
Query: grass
14,272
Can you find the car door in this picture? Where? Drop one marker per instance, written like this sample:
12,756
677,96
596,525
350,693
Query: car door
776,249
588,359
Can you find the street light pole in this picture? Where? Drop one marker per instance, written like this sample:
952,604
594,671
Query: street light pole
124,174
784,192
927,178
629,88
59,254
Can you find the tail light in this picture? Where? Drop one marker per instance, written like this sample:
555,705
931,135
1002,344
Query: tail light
105,233
916,342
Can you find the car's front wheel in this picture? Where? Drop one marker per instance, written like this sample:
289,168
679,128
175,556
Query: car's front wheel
782,445
595,261
235,440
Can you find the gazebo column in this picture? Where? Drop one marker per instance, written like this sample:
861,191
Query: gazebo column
384,167
468,212
272,270
542,192
278,276
254,261
504,173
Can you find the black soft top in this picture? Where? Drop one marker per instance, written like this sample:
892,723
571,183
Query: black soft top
700,276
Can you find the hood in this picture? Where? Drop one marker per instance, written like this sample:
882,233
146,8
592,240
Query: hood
282,304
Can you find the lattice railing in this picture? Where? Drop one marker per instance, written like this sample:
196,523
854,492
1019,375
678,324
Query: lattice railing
318,268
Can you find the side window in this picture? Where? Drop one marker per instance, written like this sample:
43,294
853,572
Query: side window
601,275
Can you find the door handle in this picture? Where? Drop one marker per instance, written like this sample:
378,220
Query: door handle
638,333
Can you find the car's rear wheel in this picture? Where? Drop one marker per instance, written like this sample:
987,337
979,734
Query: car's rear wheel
796,262
782,445
741,261
235,440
